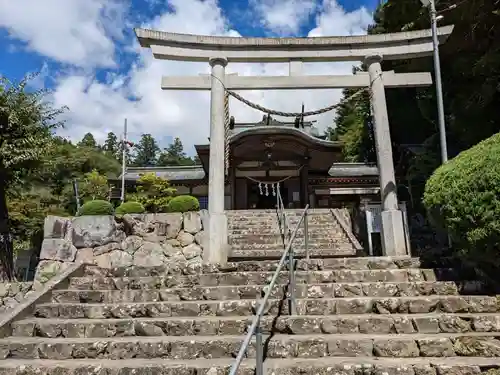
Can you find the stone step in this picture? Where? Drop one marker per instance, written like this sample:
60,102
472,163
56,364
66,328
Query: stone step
467,344
314,232
237,325
274,228
298,246
274,211
274,223
274,215
359,263
255,221
246,307
288,366
277,238
251,278
338,251
362,263
197,293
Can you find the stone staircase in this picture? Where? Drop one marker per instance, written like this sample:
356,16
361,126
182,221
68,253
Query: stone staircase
255,234
354,316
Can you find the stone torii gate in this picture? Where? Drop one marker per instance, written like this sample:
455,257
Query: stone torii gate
370,49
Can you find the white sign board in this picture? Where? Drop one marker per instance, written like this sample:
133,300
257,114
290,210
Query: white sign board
374,222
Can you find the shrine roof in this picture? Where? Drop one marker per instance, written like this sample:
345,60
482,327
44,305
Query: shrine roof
269,123
196,172
184,173
307,134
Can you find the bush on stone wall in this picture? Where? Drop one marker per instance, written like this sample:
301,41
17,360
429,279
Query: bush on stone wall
183,203
463,196
153,192
97,207
129,208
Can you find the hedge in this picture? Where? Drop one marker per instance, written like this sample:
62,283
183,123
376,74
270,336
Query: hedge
183,203
130,208
96,207
463,196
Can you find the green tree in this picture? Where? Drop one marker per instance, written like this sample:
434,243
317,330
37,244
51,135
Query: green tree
95,186
27,212
174,155
27,121
65,162
353,127
153,192
470,61
112,146
463,196
88,140
146,152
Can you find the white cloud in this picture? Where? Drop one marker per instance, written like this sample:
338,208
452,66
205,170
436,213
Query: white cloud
99,107
334,20
284,16
77,32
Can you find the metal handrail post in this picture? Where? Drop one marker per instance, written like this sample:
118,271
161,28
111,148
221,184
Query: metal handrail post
284,226
259,350
263,302
306,237
291,282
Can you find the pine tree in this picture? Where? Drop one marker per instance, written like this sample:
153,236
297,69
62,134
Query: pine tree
146,152
174,155
112,146
88,140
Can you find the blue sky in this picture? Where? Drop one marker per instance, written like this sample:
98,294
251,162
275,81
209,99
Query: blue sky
87,55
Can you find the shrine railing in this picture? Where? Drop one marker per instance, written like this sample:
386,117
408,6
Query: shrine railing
282,219
255,329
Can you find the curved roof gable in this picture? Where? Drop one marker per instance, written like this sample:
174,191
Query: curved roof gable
282,130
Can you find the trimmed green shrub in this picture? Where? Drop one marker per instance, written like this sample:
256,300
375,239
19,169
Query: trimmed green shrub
183,203
154,193
97,207
463,196
130,208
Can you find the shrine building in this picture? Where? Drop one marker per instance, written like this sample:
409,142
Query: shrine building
270,155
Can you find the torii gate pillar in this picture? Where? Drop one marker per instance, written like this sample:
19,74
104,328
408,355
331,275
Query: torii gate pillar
393,233
217,248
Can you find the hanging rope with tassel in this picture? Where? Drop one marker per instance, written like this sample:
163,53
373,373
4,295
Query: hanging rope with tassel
264,185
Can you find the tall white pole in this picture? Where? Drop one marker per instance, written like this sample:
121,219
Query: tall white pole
439,86
124,159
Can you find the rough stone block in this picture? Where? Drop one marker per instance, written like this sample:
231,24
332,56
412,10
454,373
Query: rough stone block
56,227
192,222
47,269
395,348
92,231
58,249
173,223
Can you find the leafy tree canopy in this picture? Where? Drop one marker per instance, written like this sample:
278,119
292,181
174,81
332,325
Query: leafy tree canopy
27,122
146,152
174,155
88,140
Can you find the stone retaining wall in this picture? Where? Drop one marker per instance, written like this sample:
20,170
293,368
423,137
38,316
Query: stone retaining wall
11,294
146,240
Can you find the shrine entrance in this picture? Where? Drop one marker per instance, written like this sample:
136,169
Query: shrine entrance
265,158
263,196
